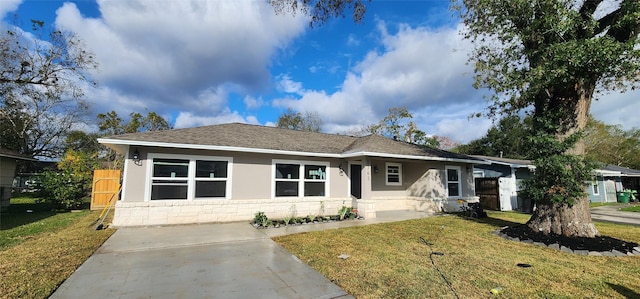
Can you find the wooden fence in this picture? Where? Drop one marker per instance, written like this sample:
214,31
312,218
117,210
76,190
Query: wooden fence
106,184
488,191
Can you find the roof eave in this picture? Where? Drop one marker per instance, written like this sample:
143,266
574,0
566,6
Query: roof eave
412,157
116,143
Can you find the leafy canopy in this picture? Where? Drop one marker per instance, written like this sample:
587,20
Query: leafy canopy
41,88
525,49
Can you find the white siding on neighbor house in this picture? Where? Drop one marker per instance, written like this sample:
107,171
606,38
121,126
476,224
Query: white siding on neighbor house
7,172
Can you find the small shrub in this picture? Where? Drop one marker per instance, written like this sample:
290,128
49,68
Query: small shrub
63,189
344,212
260,218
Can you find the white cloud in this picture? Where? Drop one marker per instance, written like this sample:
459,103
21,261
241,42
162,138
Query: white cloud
183,54
420,68
618,109
253,103
188,119
287,85
352,40
7,6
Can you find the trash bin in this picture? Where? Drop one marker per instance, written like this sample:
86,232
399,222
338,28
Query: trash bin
623,196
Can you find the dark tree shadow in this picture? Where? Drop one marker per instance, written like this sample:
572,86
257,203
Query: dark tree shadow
19,214
624,291
489,220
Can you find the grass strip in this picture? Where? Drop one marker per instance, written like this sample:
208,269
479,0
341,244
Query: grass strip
36,266
390,261
635,208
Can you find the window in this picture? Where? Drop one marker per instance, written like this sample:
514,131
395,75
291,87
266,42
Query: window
170,179
394,174
295,179
177,177
594,185
211,178
453,181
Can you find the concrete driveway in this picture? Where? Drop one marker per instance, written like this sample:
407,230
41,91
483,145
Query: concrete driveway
231,260
613,214
195,261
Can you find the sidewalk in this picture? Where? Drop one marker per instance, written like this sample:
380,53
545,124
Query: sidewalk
613,214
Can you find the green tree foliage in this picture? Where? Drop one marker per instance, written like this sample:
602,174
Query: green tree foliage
81,141
549,57
41,89
69,186
111,123
611,144
507,138
292,120
398,124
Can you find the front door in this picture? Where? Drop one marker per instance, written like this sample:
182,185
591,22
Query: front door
356,180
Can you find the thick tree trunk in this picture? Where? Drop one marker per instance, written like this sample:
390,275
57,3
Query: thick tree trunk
562,219
574,221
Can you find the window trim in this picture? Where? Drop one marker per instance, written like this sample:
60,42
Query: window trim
595,188
459,181
191,176
386,173
301,177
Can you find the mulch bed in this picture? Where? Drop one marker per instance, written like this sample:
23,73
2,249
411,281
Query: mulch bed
600,243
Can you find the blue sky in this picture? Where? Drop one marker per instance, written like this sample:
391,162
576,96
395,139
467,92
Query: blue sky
208,62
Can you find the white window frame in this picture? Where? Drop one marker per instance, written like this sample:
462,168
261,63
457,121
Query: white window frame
191,177
386,173
459,181
595,188
478,173
301,177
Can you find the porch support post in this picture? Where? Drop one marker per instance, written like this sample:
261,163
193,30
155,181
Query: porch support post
366,205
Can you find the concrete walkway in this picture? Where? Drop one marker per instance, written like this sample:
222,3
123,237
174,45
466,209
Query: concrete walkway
231,260
613,214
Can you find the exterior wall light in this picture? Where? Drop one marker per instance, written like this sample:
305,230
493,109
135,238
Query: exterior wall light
136,157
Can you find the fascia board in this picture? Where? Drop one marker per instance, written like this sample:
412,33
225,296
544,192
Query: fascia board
411,157
107,141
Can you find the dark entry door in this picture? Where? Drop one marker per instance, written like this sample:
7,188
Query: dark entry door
487,190
356,180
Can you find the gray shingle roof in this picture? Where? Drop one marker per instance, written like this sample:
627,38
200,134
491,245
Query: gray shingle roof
14,155
260,137
518,162
623,170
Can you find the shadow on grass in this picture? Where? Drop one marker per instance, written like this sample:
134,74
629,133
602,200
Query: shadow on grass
490,221
29,211
624,291
24,213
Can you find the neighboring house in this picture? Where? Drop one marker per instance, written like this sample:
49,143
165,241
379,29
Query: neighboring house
502,178
498,183
229,172
603,186
611,179
8,163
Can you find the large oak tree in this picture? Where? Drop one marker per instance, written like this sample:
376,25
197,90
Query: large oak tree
548,57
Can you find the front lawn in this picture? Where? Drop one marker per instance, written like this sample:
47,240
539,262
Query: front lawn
634,208
40,248
390,261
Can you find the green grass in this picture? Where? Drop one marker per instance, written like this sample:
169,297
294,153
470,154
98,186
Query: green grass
40,249
26,219
635,208
390,261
